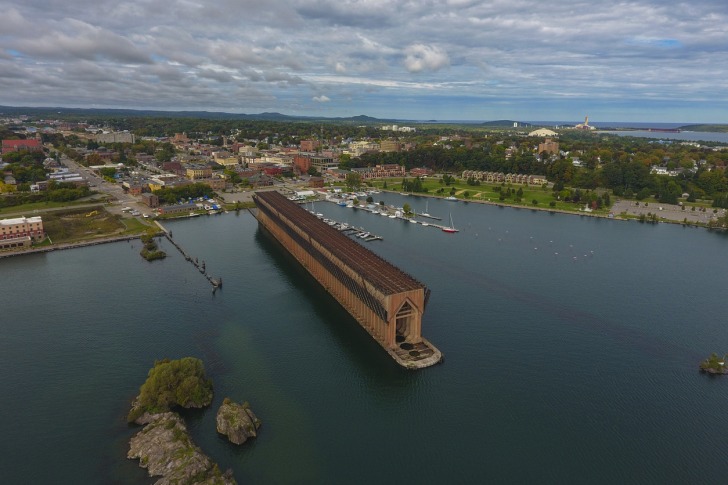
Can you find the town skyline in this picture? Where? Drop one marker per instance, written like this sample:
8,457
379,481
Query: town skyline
641,61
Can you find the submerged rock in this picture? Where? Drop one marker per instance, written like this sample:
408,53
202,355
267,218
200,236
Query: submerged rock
165,449
237,421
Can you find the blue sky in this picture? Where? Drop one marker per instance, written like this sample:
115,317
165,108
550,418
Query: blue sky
642,60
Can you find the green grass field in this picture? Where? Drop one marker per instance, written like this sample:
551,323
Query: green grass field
488,193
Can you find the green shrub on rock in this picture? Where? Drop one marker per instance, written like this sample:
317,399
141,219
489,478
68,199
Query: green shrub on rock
173,383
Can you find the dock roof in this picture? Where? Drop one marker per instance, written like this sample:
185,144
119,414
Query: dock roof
378,272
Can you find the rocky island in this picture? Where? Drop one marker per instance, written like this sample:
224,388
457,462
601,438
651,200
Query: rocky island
164,446
237,421
150,251
714,365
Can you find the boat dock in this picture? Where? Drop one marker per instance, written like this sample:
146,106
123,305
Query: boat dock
428,216
360,233
345,228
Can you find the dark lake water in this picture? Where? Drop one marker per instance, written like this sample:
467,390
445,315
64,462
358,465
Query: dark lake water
681,136
571,348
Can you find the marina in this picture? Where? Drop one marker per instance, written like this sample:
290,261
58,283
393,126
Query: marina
383,210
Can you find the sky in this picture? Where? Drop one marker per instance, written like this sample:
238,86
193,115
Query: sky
639,60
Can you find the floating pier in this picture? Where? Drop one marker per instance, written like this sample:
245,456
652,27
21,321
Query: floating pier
384,300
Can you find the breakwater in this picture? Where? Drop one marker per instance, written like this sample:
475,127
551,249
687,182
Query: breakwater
201,267
60,247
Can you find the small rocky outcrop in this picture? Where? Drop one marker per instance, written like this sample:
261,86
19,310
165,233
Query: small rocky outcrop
165,449
714,365
237,421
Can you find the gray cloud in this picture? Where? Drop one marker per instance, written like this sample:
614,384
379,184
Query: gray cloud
365,54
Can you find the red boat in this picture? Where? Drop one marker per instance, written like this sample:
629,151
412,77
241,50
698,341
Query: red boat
451,228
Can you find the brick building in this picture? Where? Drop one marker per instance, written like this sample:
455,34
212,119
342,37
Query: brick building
309,145
31,145
20,232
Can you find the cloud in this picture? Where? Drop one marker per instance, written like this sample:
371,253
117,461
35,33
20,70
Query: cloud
84,41
387,57
420,57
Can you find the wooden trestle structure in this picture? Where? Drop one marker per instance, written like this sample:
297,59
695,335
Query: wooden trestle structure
387,302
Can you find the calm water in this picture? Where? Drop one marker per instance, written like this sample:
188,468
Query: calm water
682,136
571,349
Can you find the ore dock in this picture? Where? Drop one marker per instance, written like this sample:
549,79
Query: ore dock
387,302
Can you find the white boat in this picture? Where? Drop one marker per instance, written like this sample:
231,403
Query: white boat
427,207
425,224
450,229
451,198
412,221
392,216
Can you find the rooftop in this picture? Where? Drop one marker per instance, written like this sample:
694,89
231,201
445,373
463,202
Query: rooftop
20,220
378,272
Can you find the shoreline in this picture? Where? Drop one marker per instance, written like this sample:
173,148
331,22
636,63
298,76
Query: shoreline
106,240
63,246
615,217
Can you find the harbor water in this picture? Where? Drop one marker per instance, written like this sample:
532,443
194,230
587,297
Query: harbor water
571,349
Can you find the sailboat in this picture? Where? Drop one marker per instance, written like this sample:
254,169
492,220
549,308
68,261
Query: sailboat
427,206
451,228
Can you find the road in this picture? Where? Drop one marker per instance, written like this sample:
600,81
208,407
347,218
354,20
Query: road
114,190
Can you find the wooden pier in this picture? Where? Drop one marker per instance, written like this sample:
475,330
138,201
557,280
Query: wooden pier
384,300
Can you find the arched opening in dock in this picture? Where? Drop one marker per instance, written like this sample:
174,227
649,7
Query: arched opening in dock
405,319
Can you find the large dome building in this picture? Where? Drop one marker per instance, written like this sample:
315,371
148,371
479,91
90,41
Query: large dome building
543,132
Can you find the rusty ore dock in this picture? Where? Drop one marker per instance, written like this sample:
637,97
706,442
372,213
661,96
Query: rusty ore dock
387,302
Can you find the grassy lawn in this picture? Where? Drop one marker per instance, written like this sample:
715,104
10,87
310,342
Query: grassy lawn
488,193
135,226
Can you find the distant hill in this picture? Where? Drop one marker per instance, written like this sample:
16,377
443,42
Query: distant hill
705,128
53,112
